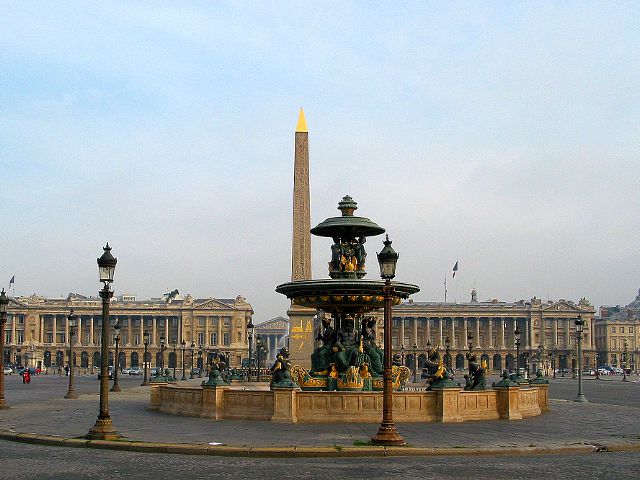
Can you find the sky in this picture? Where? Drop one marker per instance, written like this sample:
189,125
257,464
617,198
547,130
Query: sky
503,135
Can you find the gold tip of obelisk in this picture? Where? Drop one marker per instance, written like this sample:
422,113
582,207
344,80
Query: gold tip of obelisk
302,122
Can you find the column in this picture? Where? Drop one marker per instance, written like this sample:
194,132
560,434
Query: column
567,343
477,332
142,332
219,339
554,333
401,333
206,330
490,332
530,325
91,320
415,331
55,329
67,340
14,321
502,345
154,331
440,337
79,334
543,330
427,330
453,332
179,327
167,337
465,331
129,331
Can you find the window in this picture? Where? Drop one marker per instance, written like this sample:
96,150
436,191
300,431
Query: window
613,329
201,321
226,339
630,329
621,329
7,337
20,319
214,338
226,321
136,339
20,334
214,321
200,338
49,337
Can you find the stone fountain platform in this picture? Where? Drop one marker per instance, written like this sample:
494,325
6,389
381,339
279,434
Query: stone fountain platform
447,405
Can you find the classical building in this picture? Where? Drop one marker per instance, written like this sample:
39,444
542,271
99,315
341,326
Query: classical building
274,335
617,335
548,331
37,334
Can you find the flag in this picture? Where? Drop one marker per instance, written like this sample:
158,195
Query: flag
13,280
455,269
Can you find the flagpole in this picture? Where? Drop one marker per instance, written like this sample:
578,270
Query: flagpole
445,288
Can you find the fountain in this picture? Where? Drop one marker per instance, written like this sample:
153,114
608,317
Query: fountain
349,357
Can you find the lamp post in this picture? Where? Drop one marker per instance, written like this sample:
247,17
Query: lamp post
116,359
541,358
184,346
163,347
415,361
145,359
103,428
200,362
402,354
250,327
597,369
175,357
625,355
4,301
554,352
516,335
447,352
387,432
579,328
192,350
72,322
258,351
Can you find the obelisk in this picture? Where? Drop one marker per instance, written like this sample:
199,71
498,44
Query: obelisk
301,332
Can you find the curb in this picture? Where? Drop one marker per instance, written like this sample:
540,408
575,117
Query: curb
310,452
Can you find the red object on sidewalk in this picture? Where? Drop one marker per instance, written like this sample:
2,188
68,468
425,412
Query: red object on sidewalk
26,376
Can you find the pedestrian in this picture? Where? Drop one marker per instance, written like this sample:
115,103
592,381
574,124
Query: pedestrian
66,370
26,376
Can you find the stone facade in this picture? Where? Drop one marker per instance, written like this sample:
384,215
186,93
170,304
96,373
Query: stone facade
492,324
617,327
274,334
37,334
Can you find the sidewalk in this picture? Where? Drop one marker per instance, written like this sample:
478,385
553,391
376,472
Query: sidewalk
568,426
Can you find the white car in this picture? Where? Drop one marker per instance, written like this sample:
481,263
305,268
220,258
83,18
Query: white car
8,371
125,371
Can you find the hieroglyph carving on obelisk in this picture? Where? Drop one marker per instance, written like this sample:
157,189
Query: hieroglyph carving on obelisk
301,246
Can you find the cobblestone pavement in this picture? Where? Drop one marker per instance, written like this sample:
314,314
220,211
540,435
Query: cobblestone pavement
21,461
40,408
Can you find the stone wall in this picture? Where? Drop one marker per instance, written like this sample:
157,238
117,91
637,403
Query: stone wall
286,405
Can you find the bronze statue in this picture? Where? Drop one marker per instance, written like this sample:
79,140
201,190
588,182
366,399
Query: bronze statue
370,347
475,380
347,346
281,371
322,356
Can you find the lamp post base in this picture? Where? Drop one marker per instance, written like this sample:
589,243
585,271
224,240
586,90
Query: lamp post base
581,399
145,383
71,394
3,404
388,435
103,430
115,388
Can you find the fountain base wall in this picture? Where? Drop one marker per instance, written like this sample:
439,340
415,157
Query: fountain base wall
295,406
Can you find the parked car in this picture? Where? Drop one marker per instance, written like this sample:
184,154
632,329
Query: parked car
110,376
32,370
125,371
155,371
588,371
8,371
135,371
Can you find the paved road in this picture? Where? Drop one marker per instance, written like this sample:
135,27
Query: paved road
21,461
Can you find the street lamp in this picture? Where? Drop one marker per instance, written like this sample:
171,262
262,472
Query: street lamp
415,362
597,368
447,352
192,350
516,334
103,428
579,329
175,357
200,364
184,346
116,359
258,352
250,327
145,359
402,354
387,432
4,301
625,355
554,352
163,347
72,321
